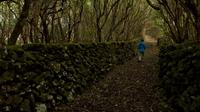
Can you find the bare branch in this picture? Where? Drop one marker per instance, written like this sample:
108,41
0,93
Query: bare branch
153,5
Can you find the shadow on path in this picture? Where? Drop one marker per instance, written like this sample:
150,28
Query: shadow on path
130,87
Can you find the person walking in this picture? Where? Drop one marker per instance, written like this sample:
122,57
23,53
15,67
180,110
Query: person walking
141,49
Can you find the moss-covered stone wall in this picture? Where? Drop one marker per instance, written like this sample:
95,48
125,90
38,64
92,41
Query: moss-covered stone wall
36,74
180,77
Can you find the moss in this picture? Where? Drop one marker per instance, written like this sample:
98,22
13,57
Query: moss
180,80
59,71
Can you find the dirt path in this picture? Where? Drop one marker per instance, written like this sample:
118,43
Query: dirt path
127,88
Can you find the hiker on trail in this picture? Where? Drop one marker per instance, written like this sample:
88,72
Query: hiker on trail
141,49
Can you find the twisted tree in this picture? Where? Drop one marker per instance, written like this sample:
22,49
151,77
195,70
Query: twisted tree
182,18
60,21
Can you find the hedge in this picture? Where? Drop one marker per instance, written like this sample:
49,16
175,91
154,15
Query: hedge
180,77
50,75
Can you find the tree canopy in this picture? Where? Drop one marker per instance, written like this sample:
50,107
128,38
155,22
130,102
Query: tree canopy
181,18
58,21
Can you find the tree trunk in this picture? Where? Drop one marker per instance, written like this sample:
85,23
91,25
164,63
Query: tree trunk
76,33
98,30
99,34
45,32
61,30
31,33
20,23
197,27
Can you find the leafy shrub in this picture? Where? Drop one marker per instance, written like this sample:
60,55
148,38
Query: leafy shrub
180,77
38,74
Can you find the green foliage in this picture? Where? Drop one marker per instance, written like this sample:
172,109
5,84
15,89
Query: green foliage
180,77
54,74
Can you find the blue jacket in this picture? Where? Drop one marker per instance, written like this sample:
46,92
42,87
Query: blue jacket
141,46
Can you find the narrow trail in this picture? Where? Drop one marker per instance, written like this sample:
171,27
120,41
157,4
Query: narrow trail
130,87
